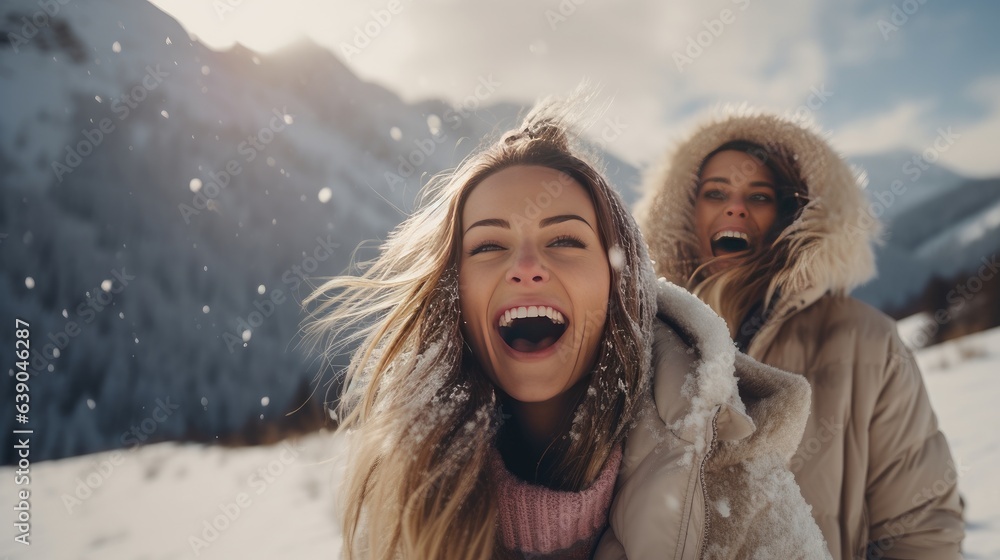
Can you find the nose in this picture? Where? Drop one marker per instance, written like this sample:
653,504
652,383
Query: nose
527,268
736,208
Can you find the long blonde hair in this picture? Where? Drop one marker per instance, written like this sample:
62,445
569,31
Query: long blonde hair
422,417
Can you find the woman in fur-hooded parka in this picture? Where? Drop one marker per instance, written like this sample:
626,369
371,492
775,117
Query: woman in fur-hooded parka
872,463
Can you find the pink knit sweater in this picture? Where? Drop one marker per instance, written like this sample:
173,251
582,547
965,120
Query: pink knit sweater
542,523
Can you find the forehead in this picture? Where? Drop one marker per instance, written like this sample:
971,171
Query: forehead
733,163
527,194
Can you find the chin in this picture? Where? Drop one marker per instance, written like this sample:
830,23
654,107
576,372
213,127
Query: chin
532,387
716,264
529,396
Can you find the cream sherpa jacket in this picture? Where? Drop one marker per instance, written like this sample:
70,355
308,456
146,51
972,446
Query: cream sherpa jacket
704,473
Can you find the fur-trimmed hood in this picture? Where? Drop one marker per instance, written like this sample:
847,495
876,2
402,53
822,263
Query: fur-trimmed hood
833,236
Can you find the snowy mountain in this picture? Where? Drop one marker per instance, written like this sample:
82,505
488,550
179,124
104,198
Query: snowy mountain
899,180
939,225
946,235
177,501
165,208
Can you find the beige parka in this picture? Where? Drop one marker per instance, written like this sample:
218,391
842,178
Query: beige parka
704,472
872,463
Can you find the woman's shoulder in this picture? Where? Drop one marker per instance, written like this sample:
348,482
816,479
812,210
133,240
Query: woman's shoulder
832,313
837,336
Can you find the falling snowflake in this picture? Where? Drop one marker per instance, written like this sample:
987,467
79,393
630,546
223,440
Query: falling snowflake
434,124
616,257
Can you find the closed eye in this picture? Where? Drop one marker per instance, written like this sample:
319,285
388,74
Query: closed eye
760,197
568,241
485,247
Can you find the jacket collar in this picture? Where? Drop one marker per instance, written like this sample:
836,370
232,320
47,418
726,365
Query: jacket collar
699,377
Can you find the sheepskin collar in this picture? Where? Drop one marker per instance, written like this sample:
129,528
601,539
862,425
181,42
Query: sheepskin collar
833,235
697,371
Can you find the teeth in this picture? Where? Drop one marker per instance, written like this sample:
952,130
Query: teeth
727,233
531,311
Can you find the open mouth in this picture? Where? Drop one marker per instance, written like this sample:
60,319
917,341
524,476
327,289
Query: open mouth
727,242
531,329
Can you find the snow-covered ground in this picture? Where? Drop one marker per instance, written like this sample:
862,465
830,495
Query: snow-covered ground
963,380
170,501
182,501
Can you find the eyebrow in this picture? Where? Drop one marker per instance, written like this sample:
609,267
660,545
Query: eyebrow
726,181
545,222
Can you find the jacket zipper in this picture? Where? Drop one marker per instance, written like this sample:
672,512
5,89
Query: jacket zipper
704,487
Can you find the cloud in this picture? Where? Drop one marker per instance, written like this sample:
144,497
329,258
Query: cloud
899,127
975,152
914,125
769,54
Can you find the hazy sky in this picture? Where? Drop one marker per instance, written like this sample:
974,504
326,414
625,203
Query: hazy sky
878,75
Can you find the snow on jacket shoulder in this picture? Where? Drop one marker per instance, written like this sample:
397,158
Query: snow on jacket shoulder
704,472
